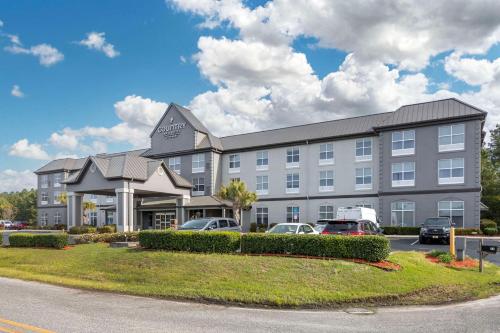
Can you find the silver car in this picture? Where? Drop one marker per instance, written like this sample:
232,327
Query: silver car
211,224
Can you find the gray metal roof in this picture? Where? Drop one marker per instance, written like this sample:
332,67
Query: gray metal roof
408,114
64,164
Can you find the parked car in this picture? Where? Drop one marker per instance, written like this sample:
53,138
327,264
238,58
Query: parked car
7,224
435,228
358,213
19,225
292,228
211,224
350,227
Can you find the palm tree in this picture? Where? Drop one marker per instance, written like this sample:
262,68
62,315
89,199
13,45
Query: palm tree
87,206
237,193
63,198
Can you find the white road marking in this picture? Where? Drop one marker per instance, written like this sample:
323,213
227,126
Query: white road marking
415,242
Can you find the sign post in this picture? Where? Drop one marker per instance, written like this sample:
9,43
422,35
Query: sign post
452,242
480,255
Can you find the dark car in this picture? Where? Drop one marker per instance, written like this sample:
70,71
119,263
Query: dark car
350,227
435,229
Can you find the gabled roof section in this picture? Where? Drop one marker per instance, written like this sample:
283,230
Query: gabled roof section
129,167
64,164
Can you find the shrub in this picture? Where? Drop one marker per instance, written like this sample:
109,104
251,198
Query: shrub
257,228
436,253
445,258
84,229
57,241
106,229
485,223
371,248
490,231
401,230
2,227
191,241
467,231
253,227
132,236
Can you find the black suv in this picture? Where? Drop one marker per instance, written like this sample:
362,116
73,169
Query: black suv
435,228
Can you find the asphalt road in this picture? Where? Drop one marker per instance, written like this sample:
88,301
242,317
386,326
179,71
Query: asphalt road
411,244
47,308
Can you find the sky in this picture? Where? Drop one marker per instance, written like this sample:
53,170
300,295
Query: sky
84,77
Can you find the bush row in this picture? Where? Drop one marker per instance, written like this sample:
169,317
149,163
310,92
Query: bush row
84,229
107,237
371,248
107,229
57,241
401,230
467,231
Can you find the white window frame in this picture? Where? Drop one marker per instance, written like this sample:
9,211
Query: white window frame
451,210
406,136
292,152
405,207
57,218
57,199
326,154
451,179
406,168
262,185
327,177
232,179
290,210
44,195
174,164
93,216
196,185
44,219
324,212
456,131
365,173
234,163
44,181
364,157
262,157
197,160
262,213
58,177
292,189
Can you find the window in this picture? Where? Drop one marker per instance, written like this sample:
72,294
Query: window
58,177
262,160
292,214
262,185
198,186
110,217
326,181
93,217
305,229
234,163
198,163
363,178
364,149
44,198
403,214
292,183
57,218
174,163
403,143
326,154
93,198
452,209
452,137
57,198
110,198
44,181
326,212
403,174
44,219
451,171
262,214
235,179
292,157
365,205
223,223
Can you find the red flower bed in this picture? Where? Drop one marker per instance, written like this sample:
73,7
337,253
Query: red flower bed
467,263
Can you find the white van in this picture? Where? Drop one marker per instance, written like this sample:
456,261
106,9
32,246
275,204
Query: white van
358,213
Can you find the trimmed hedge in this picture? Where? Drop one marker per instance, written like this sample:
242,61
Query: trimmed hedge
107,229
490,231
467,231
485,223
401,230
371,248
132,236
57,241
191,241
84,229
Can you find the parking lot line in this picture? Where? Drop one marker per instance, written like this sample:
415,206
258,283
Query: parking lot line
21,325
415,242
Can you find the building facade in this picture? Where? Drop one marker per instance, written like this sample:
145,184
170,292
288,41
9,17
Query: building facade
420,161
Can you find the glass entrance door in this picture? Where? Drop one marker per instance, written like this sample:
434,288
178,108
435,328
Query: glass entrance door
162,220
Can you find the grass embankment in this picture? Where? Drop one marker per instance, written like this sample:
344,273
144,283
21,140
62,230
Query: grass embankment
248,279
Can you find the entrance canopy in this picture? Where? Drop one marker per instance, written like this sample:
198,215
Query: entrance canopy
125,176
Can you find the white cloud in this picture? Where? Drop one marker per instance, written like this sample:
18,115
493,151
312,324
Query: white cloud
97,41
16,91
64,140
47,55
23,148
13,180
470,70
182,59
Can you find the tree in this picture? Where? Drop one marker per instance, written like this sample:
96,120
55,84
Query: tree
63,198
237,193
7,210
87,206
494,146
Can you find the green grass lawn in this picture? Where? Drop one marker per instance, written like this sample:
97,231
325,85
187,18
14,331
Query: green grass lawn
247,279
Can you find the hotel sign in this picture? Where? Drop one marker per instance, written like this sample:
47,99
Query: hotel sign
172,130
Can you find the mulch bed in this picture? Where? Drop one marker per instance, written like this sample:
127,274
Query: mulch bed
467,263
385,265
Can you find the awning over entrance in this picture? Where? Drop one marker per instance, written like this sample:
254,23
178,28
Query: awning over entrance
128,177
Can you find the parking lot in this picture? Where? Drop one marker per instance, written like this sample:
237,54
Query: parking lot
410,243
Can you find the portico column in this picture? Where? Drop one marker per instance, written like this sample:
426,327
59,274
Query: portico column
74,209
122,209
180,211
130,225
